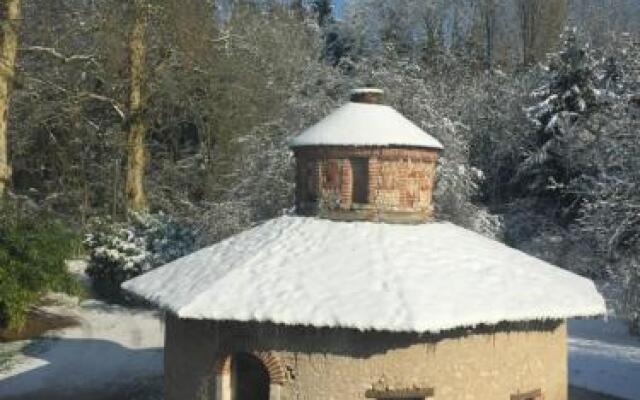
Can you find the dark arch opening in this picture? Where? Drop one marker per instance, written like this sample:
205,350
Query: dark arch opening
249,378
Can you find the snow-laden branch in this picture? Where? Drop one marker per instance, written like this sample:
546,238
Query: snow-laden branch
86,95
114,104
56,54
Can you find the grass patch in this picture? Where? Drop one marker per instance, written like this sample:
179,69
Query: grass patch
36,324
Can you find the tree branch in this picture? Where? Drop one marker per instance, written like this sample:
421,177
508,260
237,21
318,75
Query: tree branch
89,95
56,54
114,104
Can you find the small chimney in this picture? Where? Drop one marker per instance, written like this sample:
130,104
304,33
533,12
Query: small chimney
367,95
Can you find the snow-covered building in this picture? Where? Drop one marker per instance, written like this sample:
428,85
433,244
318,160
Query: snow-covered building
363,294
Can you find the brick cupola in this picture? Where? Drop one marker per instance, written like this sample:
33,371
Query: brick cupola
365,161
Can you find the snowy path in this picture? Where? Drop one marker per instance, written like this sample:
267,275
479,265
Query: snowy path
113,346
604,358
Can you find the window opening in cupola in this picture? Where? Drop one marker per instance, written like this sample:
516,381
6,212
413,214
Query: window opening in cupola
360,180
312,183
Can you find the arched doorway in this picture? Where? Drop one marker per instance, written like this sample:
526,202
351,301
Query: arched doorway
249,378
242,375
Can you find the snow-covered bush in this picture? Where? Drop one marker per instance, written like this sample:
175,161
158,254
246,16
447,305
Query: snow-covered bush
608,218
119,251
456,186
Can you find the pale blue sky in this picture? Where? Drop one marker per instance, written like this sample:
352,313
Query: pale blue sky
338,7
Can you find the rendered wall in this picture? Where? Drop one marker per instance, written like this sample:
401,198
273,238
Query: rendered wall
400,183
342,364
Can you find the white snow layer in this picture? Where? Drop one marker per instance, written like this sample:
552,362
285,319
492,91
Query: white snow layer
360,124
604,357
111,347
364,275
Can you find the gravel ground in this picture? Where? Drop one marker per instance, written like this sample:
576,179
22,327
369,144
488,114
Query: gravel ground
576,393
149,388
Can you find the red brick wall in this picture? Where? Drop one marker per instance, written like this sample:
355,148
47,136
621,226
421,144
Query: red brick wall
400,186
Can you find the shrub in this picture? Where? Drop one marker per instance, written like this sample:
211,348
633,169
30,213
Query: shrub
33,250
119,251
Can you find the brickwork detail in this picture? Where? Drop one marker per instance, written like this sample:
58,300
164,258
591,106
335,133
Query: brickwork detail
400,183
269,360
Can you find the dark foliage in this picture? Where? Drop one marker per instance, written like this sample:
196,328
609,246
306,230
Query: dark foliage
33,250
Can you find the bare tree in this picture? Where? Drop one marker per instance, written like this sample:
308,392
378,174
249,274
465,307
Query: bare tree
9,18
136,154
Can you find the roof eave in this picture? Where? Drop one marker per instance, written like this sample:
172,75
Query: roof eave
292,145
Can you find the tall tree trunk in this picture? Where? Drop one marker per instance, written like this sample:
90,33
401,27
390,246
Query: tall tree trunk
9,18
541,22
136,152
530,14
489,20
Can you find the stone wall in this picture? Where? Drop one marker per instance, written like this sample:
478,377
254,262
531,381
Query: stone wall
400,183
342,364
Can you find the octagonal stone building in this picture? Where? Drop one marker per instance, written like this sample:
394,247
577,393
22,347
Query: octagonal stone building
363,294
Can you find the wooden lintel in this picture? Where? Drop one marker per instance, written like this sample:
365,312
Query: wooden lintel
531,395
399,394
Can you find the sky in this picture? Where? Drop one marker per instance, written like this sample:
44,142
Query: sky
338,7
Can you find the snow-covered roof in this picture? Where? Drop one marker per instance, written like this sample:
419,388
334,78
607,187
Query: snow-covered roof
363,124
367,90
365,275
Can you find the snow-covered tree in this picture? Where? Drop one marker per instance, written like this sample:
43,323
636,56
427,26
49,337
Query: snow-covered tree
609,215
569,93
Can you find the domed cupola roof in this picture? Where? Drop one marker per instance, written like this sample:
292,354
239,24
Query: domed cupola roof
362,122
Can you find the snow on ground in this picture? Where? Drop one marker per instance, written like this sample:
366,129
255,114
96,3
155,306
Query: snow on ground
112,346
603,357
